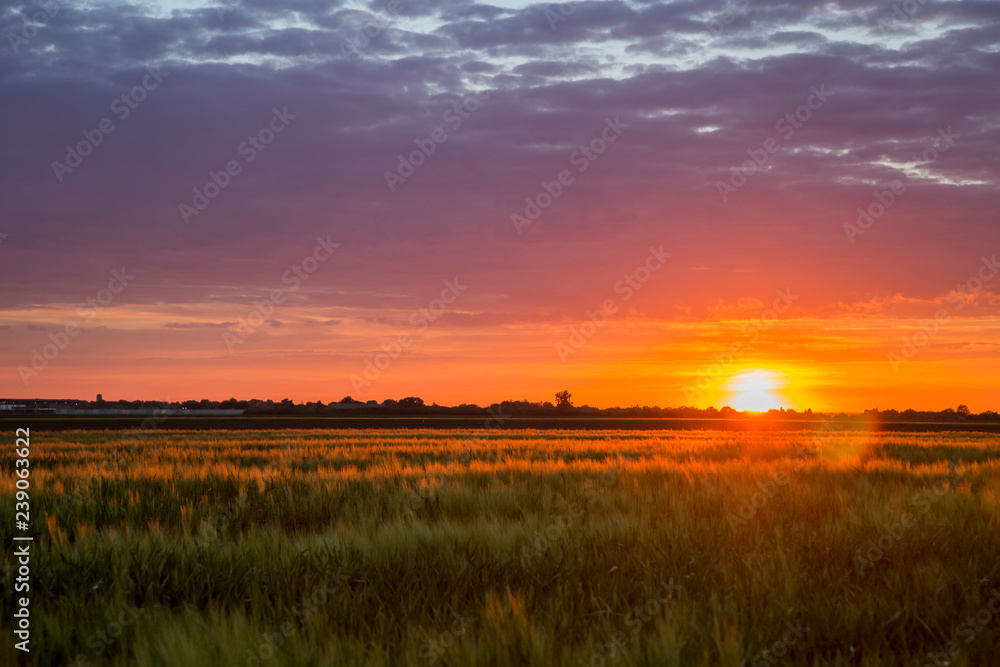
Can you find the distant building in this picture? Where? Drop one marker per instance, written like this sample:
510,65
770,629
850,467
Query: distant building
72,407
28,406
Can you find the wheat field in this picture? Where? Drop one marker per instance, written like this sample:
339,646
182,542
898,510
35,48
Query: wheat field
499,547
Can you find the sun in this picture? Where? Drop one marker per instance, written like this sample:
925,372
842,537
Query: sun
756,391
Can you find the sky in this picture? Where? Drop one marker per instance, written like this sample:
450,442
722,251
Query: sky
640,202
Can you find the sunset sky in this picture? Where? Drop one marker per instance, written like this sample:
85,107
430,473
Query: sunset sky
360,191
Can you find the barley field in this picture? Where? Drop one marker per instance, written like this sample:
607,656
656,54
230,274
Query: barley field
570,548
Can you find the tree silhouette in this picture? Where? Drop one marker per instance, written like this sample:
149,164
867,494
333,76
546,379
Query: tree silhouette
563,399
963,409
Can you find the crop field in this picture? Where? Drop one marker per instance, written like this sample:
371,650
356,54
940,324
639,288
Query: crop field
509,547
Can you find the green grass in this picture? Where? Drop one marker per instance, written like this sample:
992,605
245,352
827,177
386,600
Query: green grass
509,548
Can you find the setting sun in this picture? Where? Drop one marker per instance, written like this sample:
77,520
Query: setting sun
755,391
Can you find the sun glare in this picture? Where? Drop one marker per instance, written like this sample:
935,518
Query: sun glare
755,391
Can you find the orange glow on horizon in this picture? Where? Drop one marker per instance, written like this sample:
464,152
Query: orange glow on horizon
177,352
